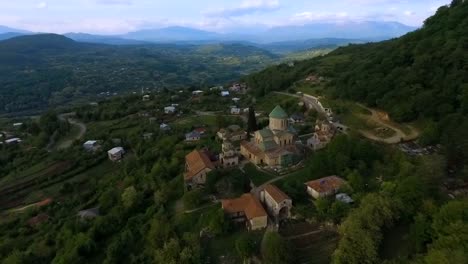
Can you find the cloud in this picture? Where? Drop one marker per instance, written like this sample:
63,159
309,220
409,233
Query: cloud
115,2
41,5
245,8
409,13
308,16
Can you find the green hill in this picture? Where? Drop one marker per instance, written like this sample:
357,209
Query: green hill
422,75
40,71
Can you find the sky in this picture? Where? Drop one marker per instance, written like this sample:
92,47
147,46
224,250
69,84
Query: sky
121,16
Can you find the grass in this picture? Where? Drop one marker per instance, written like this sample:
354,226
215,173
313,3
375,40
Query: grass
258,177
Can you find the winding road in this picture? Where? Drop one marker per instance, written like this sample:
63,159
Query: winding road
67,117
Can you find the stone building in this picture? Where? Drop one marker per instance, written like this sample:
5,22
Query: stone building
229,156
277,203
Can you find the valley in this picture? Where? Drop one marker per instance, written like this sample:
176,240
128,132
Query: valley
124,149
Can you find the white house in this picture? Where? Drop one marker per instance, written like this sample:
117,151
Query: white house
235,111
192,136
146,97
169,109
164,127
324,187
116,153
236,100
13,141
224,93
17,124
91,145
197,92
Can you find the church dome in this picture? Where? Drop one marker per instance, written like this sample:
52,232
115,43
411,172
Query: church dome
278,113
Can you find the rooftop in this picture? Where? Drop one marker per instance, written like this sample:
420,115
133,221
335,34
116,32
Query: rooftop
279,113
326,184
196,162
276,193
247,203
115,150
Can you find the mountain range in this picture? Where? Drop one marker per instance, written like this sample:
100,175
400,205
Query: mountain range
367,30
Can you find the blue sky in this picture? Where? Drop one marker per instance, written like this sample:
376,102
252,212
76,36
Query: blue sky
120,16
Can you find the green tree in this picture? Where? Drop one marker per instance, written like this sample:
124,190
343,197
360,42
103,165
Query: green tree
275,249
245,246
129,196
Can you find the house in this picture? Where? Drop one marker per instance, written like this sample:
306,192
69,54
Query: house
146,97
169,109
197,166
273,146
88,213
324,132
296,118
200,130
235,111
197,93
236,100
229,156
246,210
13,141
116,153
277,203
17,125
232,133
345,198
325,186
91,145
192,136
164,127
224,93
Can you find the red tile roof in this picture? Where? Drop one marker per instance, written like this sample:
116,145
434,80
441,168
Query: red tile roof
197,161
326,184
247,203
275,193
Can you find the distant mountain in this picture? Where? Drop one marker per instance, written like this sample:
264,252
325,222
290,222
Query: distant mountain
302,45
9,35
39,71
111,40
347,30
172,34
370,30
5,29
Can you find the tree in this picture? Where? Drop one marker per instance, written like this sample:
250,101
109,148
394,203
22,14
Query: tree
192,199
129,196
245,246
276,250
251,122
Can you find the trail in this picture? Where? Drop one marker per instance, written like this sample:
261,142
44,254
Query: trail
399,136
67,142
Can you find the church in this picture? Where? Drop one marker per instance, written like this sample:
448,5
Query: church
275,145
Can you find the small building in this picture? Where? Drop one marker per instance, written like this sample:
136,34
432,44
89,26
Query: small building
225,93
323,134
13,141
116,153
236,100
345,198
229,156
197,166
235,111
297,118
324,187
277,203
91,145
88,214
246,210
17,125
197,93
200,130
164,127
146,97
169,109
192,136
232,133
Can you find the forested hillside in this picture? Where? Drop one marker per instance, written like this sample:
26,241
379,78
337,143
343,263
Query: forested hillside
422,75
47,70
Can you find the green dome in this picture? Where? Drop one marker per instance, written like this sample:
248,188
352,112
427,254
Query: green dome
278,113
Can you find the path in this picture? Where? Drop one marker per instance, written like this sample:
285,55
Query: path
395,139
67,142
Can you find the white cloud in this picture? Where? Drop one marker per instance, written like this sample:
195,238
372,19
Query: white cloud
308,16
409,13
245,8
41,5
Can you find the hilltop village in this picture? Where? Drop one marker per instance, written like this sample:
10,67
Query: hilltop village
224,167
